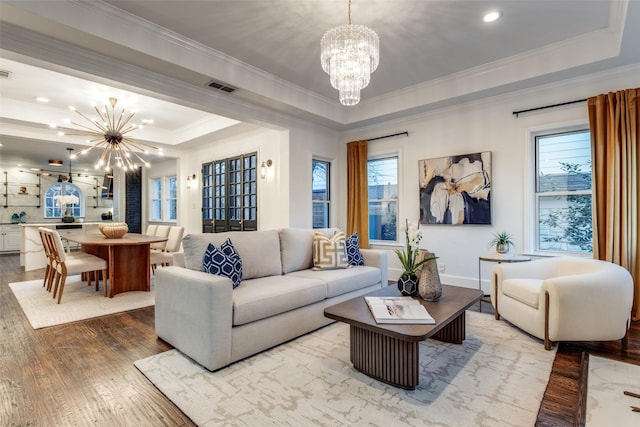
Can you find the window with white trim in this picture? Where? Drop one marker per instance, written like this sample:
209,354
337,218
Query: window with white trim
164,198
320,193
156,199
563,173
171,213
53,210
382,177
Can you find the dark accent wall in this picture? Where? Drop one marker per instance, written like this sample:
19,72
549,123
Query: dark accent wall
133,211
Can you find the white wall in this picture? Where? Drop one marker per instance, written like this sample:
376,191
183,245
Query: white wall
487,125
273,191
307,144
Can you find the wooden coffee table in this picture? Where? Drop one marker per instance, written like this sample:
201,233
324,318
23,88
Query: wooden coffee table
390,352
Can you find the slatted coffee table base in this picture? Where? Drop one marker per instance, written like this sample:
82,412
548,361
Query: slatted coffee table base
392,360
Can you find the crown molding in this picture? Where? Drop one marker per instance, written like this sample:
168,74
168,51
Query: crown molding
108,23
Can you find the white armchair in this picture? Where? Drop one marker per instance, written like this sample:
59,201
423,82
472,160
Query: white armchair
564,298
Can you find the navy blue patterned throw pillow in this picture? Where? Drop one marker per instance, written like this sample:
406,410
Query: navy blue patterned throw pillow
223,261
353,250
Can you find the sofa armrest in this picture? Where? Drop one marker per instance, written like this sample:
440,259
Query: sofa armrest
377,258
596,304
178,259
194,314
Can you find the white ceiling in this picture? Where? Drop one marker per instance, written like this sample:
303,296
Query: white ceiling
163,53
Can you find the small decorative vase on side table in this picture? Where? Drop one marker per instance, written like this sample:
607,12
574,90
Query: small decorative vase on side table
408,285
429,285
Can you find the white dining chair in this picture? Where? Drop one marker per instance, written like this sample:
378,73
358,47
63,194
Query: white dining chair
151,230
161,231
165,257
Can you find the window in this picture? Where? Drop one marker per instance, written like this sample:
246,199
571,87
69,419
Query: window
172,199
383,199
164,198
320,195
52,210
230,194
563,192
156,199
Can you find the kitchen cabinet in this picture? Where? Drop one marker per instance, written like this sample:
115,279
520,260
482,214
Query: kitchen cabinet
10,238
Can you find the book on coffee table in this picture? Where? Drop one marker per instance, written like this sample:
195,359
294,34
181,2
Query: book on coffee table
398,310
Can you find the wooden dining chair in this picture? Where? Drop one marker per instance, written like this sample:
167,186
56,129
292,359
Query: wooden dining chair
49,271
75,263
165,257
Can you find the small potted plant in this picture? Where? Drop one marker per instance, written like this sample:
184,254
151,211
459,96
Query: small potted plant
502,242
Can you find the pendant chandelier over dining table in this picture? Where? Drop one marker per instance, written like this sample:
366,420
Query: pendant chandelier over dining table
349,54
110,133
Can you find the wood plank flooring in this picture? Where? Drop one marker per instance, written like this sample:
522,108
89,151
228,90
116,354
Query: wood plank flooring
82,374
78,374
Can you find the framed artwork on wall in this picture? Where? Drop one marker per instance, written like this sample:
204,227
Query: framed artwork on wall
456,189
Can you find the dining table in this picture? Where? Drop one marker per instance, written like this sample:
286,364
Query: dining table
128,258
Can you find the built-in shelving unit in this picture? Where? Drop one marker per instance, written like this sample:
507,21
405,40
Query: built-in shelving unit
22,194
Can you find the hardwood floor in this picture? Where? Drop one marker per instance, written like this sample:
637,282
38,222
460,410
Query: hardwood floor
82,373
77,374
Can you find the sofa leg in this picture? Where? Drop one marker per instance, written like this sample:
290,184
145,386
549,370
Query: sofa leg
547,341
625,341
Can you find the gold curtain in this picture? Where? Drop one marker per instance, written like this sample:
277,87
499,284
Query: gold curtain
614,120
357,196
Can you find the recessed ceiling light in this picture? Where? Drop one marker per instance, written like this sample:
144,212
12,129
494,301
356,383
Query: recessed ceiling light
42,99
492,16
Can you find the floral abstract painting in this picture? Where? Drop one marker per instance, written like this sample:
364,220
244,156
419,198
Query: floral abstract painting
456,189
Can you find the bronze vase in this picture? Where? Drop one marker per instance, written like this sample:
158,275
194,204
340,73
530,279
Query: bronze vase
429,287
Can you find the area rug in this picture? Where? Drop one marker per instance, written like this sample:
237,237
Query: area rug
496,378
79,302
607,405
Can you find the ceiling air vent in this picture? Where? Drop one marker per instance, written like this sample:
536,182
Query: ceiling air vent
5,74
220,86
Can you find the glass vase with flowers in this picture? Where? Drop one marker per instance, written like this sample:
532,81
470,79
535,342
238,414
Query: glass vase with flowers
66,202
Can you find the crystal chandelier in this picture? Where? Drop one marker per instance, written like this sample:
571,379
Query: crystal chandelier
109,133
350,53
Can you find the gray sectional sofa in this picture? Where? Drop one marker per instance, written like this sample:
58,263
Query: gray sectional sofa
280,297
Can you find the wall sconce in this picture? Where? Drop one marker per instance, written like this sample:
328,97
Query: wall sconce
263,168
192,183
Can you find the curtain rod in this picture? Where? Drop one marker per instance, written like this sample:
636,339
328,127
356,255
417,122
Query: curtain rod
515,113
388,136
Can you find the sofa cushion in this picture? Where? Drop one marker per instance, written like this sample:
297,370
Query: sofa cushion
260,298
259,251
296,246
329,253
353,250
526,291
223,261
342,281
